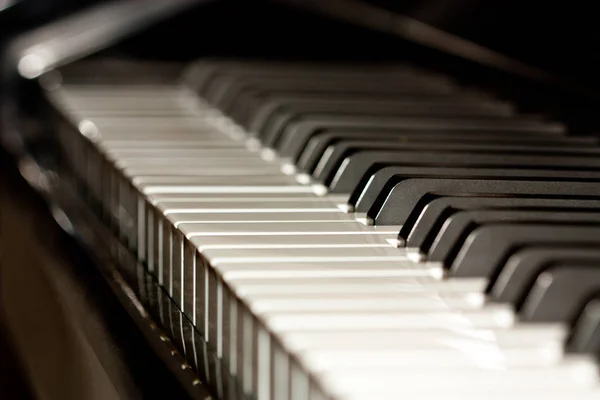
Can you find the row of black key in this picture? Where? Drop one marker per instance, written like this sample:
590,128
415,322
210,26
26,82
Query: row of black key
484,191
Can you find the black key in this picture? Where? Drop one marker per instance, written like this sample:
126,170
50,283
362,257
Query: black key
522,268
202,73
271,107
332,160
266,106
422,233
274,130
303,129
487,248
336,152
223,91
232,84
255,109
585,336
457,226
358,168
407,199
367,194
308,155
560,294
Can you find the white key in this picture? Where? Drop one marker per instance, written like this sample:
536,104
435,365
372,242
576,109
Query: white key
153,181
382,320
223,256
222,189
184,141
319,267
580,374
243,216
455,355
541,392
275,240
292,205
135,156
521,335
241,196
250,287
295,228
225,173
188,162
361,301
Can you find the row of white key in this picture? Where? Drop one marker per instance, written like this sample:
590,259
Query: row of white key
356,312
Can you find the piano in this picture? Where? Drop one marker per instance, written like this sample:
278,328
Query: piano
285,200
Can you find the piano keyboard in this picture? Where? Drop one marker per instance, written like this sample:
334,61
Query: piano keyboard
351,233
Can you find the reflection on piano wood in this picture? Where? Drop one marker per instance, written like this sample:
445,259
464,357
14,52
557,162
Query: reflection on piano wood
337,230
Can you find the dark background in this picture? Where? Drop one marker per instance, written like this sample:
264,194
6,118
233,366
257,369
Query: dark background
560,36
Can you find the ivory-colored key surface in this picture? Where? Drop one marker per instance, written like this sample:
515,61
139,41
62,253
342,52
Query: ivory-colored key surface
245,215
136,139
529,380
146,181
135,155
293,228
254,205
454,356
276,240
192,161
520,335
184,141
303,272
382,320
377,300
241,196
190,170
226,189
249,287
222,256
